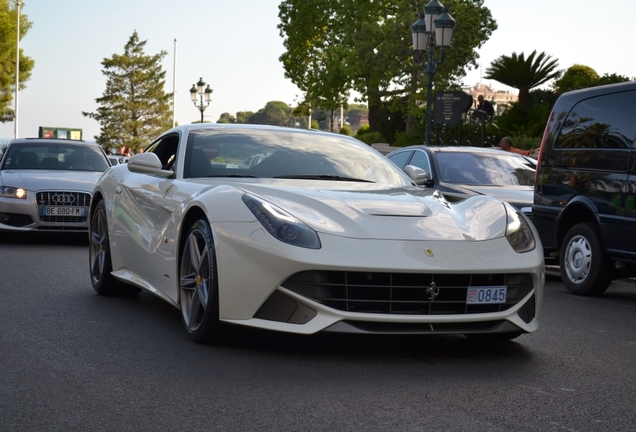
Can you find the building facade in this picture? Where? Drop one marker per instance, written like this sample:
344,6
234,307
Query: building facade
500,99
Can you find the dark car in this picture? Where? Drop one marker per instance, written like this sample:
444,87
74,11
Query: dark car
464,171
584,206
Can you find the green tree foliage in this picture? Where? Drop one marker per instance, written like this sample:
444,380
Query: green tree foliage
576,77
134,108
345,130
523,73
226,118
8,33
242,116
580,76
368,137
613,79
335,46
275,113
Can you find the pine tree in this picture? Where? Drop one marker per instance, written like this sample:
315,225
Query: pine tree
134,109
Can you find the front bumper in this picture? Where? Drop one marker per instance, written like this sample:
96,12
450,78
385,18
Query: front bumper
255,270
23,215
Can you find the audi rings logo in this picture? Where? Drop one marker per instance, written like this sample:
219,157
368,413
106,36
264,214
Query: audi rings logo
63,199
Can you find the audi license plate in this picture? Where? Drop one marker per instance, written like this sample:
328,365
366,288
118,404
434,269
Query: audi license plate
486,295
63,211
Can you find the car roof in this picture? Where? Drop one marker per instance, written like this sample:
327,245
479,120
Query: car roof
50,141
566,101
454,149
245,126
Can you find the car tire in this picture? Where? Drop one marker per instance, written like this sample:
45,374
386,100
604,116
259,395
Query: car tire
100,263
585,270
198,284
3,237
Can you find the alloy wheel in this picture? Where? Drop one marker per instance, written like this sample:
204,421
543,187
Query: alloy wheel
98,245
195,280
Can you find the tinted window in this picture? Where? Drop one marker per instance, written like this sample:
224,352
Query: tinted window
166,149
485,168
601,122
400,158
56,156
420,160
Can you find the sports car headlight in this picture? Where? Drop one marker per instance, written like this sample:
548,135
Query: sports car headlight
281,224
12,192
518,231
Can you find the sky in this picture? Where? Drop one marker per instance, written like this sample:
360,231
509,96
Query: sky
235,45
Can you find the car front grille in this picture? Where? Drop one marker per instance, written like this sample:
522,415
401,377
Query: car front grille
405,294
63,199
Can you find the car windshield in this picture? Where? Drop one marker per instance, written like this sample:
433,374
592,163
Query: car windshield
286,154
53,156
486,169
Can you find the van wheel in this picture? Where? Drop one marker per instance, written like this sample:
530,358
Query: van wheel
585,270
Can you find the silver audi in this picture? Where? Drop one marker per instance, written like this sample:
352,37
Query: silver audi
46,184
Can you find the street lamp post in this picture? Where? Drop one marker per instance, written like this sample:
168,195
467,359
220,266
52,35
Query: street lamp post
434,27
204,93
18,4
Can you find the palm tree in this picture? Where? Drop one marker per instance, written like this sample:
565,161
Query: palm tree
524,74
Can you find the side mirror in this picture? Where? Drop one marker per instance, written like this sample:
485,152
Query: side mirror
147,163
418,175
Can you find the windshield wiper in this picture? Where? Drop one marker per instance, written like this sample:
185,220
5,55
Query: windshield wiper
323,177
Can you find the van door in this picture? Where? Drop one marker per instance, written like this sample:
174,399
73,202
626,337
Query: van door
593,153
630,199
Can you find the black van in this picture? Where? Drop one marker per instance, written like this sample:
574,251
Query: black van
584,202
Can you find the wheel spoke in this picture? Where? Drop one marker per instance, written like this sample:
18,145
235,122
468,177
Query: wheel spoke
195,304
188,282
202,293
195,254
98,263
96,239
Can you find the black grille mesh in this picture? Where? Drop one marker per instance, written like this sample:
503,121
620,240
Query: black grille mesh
72,199
404,294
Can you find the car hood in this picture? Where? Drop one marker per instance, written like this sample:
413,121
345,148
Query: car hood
378,212
35,180
518,196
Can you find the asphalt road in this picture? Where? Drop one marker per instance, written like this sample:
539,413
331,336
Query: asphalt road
71,360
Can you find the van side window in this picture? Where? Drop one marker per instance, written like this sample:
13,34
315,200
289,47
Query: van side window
601,122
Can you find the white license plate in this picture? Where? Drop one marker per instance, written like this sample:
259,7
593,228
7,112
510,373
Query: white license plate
63,211
486,295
